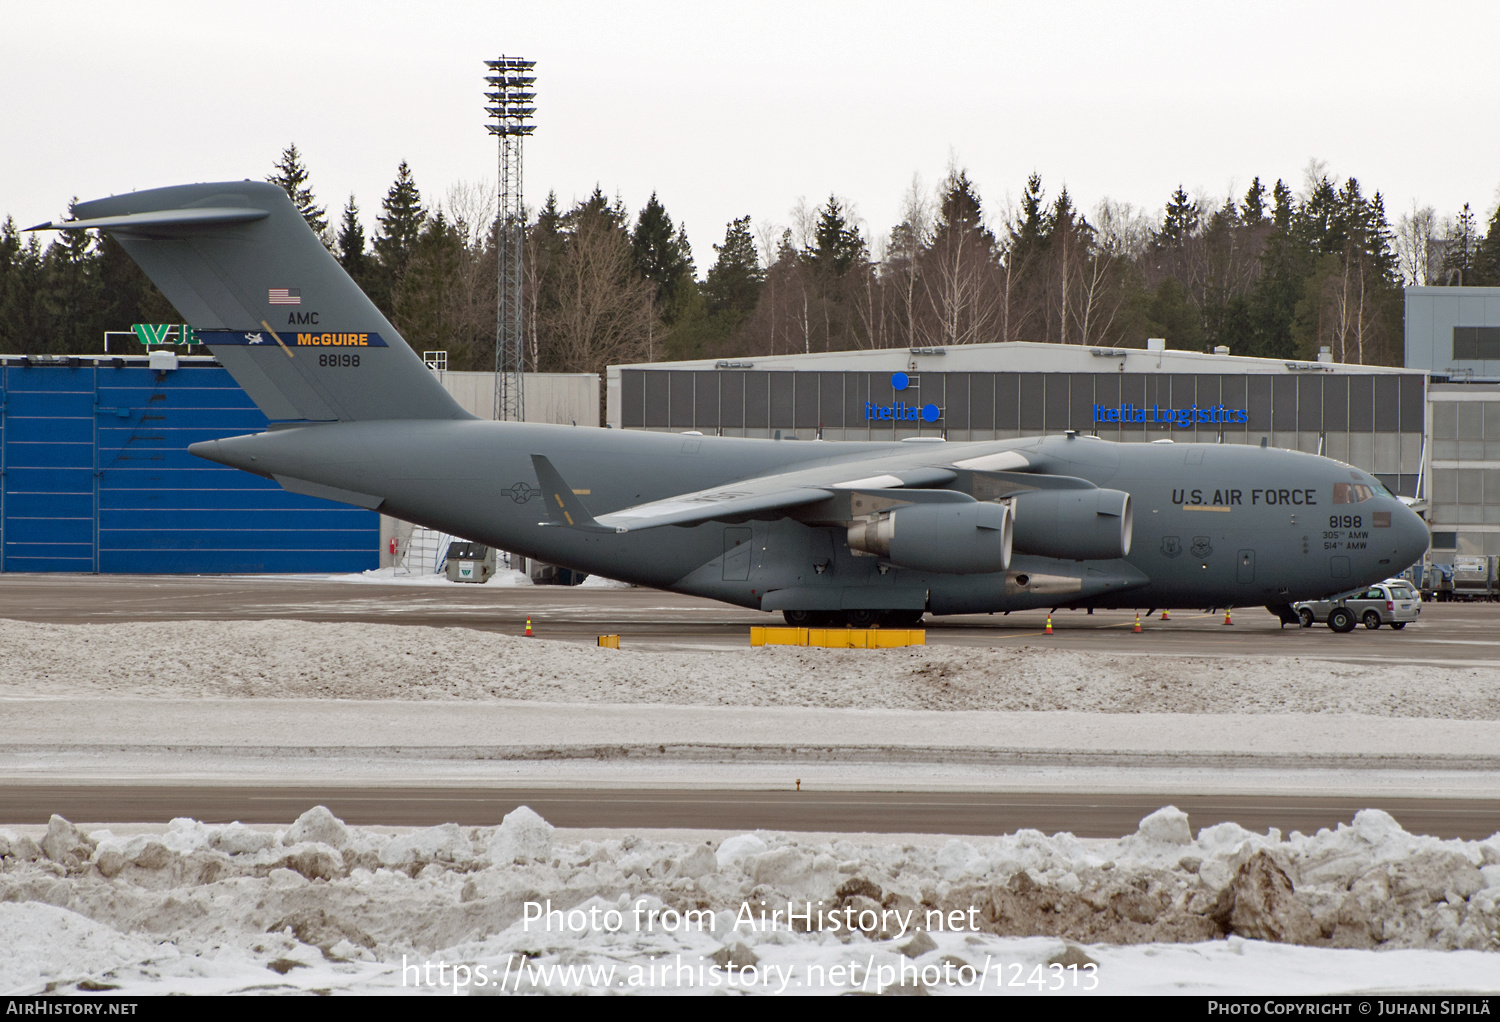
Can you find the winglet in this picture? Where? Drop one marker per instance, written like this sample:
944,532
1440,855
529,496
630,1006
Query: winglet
564,509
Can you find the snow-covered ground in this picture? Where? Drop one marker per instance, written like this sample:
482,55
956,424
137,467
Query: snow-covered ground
300,659
406,577
192,908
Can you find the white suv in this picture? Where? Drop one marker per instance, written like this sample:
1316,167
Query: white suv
1392,602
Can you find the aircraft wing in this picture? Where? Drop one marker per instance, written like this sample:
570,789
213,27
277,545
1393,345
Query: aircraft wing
708,505
786,492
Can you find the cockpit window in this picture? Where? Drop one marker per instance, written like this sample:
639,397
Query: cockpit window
1351,493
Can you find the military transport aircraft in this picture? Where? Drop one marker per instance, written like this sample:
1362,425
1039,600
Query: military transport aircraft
823,532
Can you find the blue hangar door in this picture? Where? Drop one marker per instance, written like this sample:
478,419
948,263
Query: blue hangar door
95,476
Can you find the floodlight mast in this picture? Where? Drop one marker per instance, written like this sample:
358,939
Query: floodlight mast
510,81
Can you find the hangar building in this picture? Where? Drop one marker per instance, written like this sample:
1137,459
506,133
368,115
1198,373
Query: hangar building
95,475
1373,417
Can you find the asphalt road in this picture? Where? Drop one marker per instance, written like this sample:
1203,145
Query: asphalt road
1448,633
848,812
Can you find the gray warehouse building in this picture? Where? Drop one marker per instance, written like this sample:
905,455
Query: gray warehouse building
1372,417
1429,430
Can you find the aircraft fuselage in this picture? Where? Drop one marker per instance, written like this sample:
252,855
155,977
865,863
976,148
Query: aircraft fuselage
1214,525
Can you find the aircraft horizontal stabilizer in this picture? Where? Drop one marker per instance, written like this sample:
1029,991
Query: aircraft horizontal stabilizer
159,218
563,506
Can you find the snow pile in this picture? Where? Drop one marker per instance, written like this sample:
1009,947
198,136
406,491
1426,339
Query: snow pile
385,662
600,582
405,576
321,905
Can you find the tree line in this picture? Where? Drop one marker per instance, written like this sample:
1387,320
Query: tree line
1274,272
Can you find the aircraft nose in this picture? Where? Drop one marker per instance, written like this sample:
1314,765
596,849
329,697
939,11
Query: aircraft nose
1412,537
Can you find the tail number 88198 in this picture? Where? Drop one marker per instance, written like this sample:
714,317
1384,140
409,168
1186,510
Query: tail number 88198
338,359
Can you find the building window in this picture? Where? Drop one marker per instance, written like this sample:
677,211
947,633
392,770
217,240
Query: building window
1473,343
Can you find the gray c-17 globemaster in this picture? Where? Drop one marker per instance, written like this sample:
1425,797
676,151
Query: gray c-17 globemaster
854,532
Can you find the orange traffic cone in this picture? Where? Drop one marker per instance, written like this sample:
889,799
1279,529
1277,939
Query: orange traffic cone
1049,625
529,633
1226,617
1166,615
1137,621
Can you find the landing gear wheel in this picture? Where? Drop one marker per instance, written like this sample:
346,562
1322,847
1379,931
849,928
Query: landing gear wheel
1341,620
1372,620
1398,625
798,618
1306,617
861,618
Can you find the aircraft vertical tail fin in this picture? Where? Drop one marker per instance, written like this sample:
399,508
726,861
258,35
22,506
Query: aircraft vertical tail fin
272,304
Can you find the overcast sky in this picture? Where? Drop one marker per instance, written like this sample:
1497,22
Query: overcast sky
732,109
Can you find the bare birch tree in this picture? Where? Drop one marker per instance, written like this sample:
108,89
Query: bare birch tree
604,312
1417,250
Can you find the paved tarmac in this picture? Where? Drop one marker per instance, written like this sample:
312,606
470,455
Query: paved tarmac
1451,634
846,812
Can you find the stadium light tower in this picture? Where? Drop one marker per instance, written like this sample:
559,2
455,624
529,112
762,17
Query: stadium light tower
510,81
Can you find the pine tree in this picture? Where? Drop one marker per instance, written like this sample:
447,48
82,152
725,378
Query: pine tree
20,279
127,294
423,304
662,256
1180,221
401,224
1253,209
1461,243
1273,303
1486,271
837,244
349,247
291,177
734,282
71,292
1320,221
1031,224
596,205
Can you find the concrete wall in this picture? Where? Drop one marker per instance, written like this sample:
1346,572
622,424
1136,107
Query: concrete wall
561,398
1431,315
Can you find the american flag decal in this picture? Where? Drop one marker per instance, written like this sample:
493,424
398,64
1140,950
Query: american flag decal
285,296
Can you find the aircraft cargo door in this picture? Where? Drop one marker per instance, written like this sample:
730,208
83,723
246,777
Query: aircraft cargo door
1246,566
737,550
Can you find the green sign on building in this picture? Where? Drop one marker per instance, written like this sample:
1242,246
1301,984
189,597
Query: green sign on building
164,333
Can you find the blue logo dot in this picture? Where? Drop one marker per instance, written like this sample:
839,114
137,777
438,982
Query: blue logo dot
900,381
930,413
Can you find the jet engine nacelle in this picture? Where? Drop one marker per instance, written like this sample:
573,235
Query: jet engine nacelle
1078,525
959,539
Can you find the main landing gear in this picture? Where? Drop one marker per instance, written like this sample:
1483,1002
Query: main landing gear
853,618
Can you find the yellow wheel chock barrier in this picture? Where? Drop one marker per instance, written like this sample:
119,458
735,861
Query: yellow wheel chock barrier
839,638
